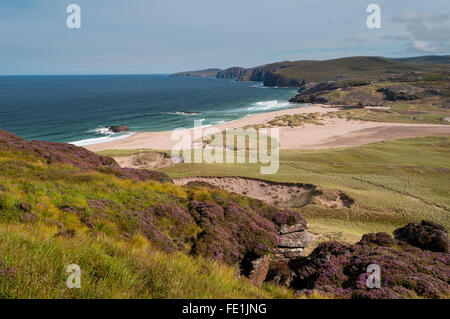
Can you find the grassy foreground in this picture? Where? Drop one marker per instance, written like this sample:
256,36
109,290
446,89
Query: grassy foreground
34,266
392,183
54,215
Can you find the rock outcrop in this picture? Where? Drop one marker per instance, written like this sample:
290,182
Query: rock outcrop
207,73
293,241
341,270
231,73
314,92
426,235
278,80
402,92
248,237
118,128
256,270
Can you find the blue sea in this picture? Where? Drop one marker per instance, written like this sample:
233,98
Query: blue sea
78,109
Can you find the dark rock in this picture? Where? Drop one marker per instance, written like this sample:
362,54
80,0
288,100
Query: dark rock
314,92
426,235
25,207
402,92
256,270
231,73
313,88
285,253
278,80
380,239
281,274
118,128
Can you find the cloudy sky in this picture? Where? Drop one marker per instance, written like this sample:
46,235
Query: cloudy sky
164,36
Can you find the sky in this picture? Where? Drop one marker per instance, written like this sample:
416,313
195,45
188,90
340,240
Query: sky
165,36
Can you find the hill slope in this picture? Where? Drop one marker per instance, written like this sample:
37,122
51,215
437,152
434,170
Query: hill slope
133,232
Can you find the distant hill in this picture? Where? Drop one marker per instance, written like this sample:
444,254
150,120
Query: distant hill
352,67
294,73
208,73
439,59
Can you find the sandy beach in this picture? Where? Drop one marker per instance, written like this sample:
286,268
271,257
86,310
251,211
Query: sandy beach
335,133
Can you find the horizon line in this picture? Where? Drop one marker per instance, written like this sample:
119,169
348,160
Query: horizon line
206,68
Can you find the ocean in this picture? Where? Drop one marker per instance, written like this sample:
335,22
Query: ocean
78,109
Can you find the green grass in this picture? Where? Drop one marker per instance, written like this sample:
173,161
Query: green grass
113,269
321,71
392,183
38,201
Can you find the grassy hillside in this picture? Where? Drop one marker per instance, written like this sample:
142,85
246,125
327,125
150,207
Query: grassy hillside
33,263
321,71
132,238
438,59
145,238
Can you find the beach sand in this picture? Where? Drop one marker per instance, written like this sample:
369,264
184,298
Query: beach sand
335,133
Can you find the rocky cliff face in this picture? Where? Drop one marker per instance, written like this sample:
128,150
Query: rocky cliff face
313,92
231,73
278,80
208,73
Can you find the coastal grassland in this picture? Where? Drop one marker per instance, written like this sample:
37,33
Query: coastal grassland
408,98
399,112
392,183
121,232
402,112
349,68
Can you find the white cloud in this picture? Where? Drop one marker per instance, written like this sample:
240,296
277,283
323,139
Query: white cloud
425,47
429,32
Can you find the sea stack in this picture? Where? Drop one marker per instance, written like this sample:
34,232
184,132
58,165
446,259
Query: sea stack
118,128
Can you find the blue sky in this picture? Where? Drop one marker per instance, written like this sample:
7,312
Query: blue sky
164,36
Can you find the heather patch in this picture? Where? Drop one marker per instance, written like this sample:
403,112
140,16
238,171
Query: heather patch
338,269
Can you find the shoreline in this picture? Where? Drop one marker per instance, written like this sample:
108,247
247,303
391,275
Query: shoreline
251,119
335,133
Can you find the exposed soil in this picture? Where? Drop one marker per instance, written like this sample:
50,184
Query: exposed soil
145,160
286,195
